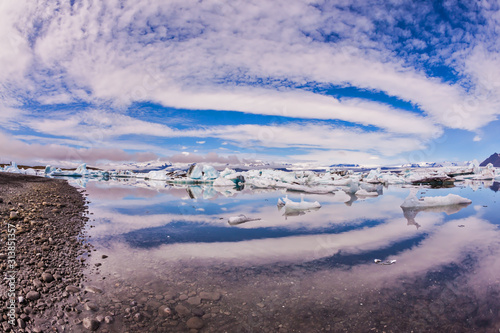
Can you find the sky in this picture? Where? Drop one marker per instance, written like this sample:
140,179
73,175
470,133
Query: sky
322,82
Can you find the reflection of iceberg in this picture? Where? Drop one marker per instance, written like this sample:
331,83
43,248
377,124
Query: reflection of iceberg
195,192
450,199
411,212
298,212
341,196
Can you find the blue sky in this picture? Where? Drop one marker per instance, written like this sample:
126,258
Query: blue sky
327,82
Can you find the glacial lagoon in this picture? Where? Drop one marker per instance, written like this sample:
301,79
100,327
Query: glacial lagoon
170,255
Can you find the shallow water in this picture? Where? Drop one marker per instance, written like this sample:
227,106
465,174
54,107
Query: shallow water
290,272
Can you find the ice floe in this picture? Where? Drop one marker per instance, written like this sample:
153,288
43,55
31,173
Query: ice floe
235,220
451,199
300,205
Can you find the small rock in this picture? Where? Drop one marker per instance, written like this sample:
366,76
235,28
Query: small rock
14,215
138,317
194,300
195,323
198,312
90,324
210,296
47,277
21,323
182,310
183,297
91,306
93,290
33,295
72,289
104,256
108,319
164,311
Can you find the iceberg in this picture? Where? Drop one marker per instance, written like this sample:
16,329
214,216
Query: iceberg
301,205
50,169
364,193
373,176
450,199
234,220
12,168
157,175
223,182
262,182
209,172
82,170
320,189
195,171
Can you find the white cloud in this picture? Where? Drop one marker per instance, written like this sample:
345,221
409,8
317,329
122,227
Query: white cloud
22,152
98,127
95,48
234,56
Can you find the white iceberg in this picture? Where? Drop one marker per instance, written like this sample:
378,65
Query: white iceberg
319,189
364,193
82,170
157,175
195,171
233,220
262,182
301,205
450,199
223,182
12,168
209,172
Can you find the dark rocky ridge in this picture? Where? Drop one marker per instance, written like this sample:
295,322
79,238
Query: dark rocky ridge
48,216
493,159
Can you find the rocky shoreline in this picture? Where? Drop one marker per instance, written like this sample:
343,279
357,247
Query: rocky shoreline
42,254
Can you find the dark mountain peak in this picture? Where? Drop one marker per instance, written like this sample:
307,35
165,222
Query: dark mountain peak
493,159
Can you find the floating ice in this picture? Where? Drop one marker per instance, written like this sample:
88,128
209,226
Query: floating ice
157,175
450,199
223,182
209,172
12,168
301,205
387,262
195,171
364,193
233,220
82,169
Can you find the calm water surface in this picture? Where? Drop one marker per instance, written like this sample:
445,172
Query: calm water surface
291,272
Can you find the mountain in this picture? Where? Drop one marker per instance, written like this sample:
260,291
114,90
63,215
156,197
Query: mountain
493,159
